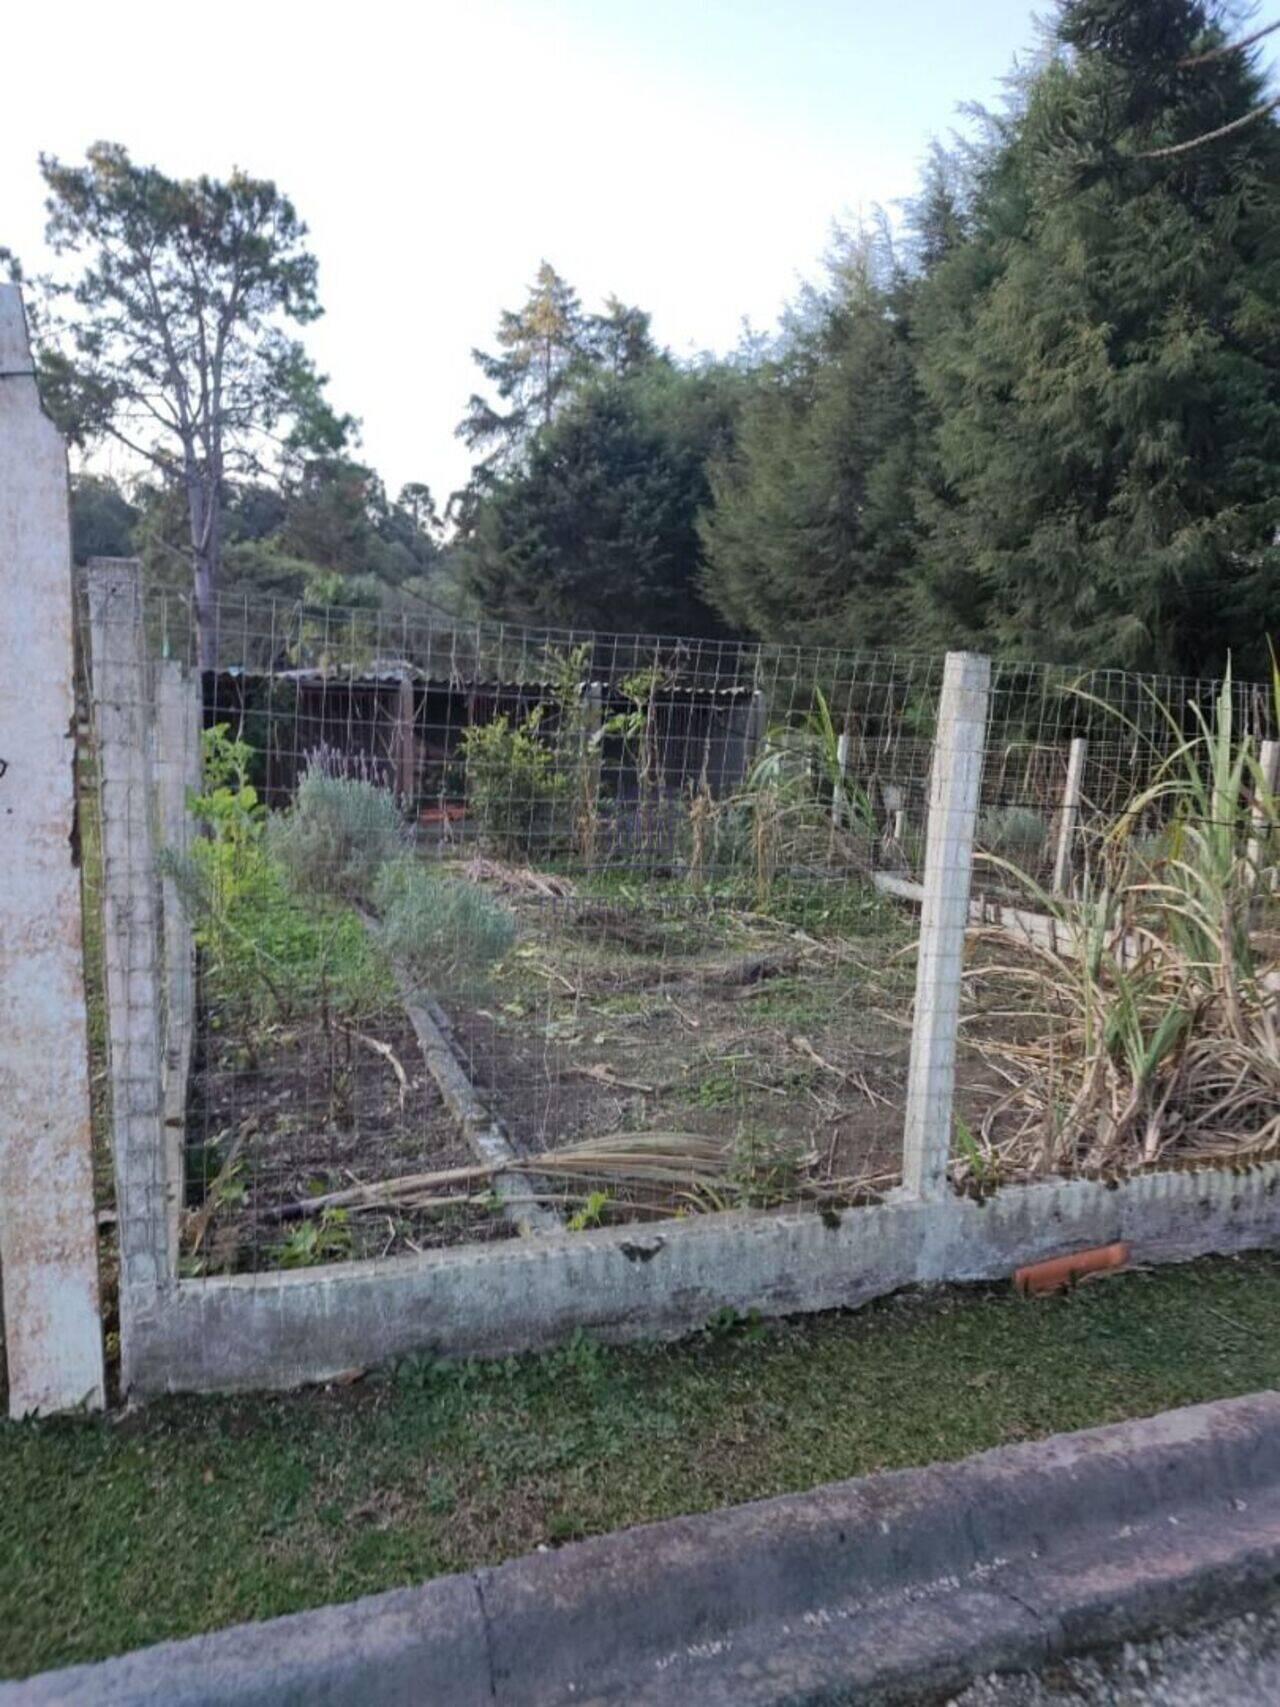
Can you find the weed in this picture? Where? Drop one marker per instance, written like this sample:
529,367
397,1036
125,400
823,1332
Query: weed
327,1239
766,1169
730,1324
717,1090
591,1214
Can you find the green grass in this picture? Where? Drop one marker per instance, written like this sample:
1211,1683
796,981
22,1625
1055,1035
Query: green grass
194,1513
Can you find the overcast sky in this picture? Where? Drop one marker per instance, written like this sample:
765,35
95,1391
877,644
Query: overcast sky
688,154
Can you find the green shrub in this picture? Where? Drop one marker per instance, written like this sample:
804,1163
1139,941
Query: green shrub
444,932
336,834
266,953
1012,831
517,793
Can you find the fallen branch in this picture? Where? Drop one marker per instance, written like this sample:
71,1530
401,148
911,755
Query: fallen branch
389,1056
848,1075
197,1224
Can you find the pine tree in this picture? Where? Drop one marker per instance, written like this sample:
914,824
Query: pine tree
541,347
1102,359
812,527
619,340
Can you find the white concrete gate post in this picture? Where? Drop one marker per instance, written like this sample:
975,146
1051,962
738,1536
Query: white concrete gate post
955,781
48,1233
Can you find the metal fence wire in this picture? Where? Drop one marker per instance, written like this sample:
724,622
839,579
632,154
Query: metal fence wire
465,930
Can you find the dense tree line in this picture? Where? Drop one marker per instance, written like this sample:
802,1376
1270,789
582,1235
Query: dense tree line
1042,419
1039,415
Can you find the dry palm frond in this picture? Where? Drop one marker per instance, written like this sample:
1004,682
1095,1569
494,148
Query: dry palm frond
679,1168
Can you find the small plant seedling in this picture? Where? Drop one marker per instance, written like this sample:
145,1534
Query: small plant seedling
325,1240
967,1144
591,1214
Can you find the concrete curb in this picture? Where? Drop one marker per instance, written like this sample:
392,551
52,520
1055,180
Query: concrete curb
887,1587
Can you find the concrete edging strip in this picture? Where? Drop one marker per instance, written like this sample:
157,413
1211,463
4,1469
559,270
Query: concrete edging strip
886,1586
517,1192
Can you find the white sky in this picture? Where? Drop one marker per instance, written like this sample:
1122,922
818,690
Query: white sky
688,154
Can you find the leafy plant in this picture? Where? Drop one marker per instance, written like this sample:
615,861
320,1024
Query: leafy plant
445,932
766,1169
327,1239
516,791
336,835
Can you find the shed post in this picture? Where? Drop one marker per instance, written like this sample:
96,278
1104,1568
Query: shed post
406,756
954,784
842,771
48,1230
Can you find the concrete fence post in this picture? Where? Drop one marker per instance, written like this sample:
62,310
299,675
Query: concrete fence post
131,945
178,719
1070,815
48,1232
1262,832
954,787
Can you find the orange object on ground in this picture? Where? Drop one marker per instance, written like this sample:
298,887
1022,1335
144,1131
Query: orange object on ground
1058,1272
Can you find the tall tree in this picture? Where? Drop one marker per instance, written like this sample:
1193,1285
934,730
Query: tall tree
1104,358
812,527
598,528
541,347
102,518
173,336
619,340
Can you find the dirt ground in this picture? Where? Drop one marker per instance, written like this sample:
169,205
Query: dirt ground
787,1037
315,1113
784,1036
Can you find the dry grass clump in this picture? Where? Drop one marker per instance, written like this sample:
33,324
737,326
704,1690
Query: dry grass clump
1159,1006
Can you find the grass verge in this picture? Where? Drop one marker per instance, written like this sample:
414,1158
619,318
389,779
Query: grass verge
190,1514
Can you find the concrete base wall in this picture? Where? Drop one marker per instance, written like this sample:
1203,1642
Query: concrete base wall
281,1330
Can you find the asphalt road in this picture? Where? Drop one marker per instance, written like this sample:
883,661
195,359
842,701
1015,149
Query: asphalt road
1233,1664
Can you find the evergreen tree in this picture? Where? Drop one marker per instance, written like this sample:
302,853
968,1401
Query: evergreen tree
598,529
541,347
1102,359
102,518
812,527
619,340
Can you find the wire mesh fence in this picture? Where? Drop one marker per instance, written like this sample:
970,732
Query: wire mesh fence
499,929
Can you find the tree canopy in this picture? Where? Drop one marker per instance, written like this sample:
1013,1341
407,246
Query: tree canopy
1100,356
171,333
1038,414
